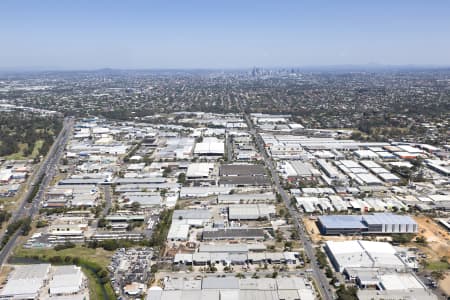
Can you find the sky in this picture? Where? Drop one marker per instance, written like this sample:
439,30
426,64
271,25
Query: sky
135,34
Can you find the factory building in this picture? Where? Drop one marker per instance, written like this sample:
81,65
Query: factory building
363,255
378,223
233,234
250,211
210,146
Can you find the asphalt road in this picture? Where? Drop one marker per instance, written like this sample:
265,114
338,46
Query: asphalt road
323,283
107,193
229,148
46,170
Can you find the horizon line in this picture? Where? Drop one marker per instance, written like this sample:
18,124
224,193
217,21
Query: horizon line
306,67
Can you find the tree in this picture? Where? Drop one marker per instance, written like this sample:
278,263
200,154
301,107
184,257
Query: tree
402,237
154,269
102,222
167,172
135,206
26,226
181,178
41,223
421,240
279,198
66,245
349,293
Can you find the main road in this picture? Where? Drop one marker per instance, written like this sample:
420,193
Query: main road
321,279
108,200
42,177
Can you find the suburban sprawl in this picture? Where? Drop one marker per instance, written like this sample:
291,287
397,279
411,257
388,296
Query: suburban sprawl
262,184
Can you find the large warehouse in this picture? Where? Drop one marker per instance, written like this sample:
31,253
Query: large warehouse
25,281
378,223
210,146
363,254
250,211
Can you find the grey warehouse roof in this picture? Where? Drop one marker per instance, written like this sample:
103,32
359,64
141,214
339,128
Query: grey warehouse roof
191,214
242,170
342,221
386,218
232,233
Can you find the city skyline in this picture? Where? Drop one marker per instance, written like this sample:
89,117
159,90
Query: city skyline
202,35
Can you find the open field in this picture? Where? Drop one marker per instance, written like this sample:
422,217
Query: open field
4,271
438,240
437,266
99,255
23,147
444,284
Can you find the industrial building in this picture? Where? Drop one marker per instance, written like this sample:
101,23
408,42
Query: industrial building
233,234
250,211
298,170
243,181
193,217
199,171
377,223
66,281
397,286
216,288
246,198
25,281
363,254
210,146
240,175
43,281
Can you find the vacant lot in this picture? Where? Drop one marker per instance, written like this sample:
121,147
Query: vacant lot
99,255
444,284
438,240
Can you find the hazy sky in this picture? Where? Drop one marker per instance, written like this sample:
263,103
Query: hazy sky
86,34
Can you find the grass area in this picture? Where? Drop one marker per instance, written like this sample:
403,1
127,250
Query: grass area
56,178
96,289
437,266
99,255
37,147
4,271
23,147
92,262
18,155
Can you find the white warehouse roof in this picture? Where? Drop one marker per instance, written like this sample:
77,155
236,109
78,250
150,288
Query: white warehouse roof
66,280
